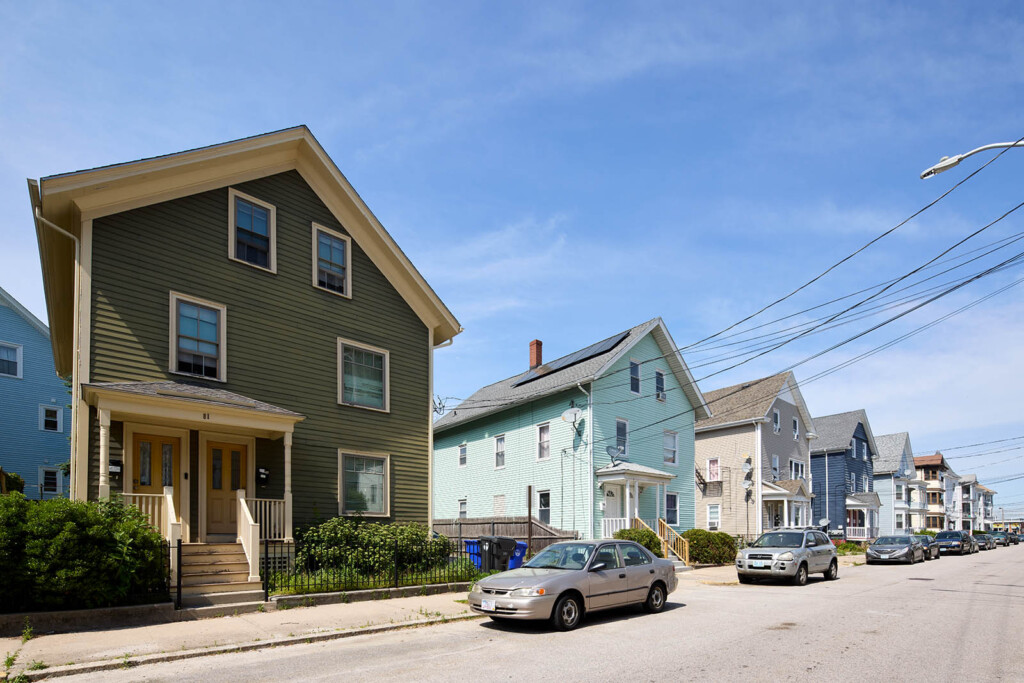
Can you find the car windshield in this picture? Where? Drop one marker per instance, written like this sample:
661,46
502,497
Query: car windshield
892,540
778,539
945,535
562,556
924,539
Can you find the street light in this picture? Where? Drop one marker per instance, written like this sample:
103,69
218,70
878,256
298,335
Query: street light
946,163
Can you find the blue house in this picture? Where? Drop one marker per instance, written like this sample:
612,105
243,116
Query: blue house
34,431
902,494
600,436
842,473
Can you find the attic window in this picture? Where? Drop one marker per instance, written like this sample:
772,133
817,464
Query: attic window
634,376
10,360
776,421
331,258
252,228
796,428
659,385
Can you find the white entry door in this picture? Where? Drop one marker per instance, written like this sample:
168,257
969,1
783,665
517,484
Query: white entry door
614,501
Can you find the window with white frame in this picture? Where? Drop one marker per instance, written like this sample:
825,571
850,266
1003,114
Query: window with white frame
363,376
899,491
671,508
331,261
670,447
499,451
252,227
797,469
634,376
864,483
853,482
796,428
775,466
10,360
543,441
714,471
462,455
198,337
51,419
776,421
622,437
364,484
463,512
499,505
899,521
864,450
659,385
49,481
714,513
544,506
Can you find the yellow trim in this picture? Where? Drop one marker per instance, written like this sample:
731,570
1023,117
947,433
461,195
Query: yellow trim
342,452
222,336
184,455
271,229
348,260
341,374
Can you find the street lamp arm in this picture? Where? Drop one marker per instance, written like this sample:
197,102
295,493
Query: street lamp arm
947,163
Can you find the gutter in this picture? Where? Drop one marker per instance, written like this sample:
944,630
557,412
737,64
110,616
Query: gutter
737,423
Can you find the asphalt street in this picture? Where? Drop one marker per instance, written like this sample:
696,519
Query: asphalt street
954,619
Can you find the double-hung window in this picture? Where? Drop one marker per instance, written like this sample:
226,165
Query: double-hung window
198,337
543,441
544,506
714,470
10,360
622,438
332,254
49,481
363,376
899,491
252,229
462,455
672,508
796,428
50,419
796,469
364,484
634,376
659,385
776,421
714,516
463,511
864,483
670,447
499,451
775,466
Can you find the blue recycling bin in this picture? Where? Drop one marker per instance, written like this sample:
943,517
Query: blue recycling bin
473,550
518,556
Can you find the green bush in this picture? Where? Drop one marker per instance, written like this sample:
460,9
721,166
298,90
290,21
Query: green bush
710,547
849,548
644,537
370,548
62,554
925,532
15,482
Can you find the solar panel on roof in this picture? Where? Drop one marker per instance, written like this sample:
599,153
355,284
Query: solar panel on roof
573,358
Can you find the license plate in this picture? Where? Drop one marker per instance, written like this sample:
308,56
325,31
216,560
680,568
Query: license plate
759,563
883,557
487,605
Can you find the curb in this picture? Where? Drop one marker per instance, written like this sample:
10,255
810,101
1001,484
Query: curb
159,658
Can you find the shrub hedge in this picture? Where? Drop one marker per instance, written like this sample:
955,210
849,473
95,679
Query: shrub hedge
710,547
849,548
369,547
644,537
62,554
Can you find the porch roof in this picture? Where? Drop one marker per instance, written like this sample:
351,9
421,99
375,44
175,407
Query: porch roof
787,489
868,500
629,471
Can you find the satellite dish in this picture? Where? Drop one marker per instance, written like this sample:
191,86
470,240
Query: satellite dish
746,467
571,415
747,483
613,451
823,521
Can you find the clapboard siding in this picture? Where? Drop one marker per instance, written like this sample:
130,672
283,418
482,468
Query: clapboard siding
281,332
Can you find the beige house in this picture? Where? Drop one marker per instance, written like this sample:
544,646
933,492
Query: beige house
753,469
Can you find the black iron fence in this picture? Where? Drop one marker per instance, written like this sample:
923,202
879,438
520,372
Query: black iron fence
320,567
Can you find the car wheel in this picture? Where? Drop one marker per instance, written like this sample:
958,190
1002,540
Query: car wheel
567,614
655,599
833,571
744,579
800,578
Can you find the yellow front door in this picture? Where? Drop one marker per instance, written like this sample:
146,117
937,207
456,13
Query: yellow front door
226,465
155,464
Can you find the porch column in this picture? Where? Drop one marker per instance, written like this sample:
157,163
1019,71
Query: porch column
785,512
288,487
629,489
636,498
104,416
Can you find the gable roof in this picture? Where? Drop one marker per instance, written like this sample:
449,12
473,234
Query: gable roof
890,451
751,401
12,303
513,391
835,431
936,460
68,200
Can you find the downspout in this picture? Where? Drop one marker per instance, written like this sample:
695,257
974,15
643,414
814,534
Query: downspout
758,503
76,394
892,497
590,457
828,510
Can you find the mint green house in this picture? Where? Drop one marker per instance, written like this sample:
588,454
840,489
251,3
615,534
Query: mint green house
603,435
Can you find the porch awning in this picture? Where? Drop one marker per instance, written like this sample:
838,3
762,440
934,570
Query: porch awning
789,489
617,473
178,403
863,501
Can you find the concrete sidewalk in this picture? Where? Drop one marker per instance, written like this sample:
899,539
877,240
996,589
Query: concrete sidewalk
97,650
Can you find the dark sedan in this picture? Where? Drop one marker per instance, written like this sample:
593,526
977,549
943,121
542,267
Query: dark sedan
895,549
1001,538
931,548
985,542
958,542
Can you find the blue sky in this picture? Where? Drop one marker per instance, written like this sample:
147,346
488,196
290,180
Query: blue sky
567,171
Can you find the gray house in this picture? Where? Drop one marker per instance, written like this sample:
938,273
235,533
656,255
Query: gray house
901,493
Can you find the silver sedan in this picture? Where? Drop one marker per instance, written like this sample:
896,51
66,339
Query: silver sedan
566,580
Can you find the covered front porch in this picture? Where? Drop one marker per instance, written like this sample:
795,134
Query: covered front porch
630,491
198,462
786,504
862,516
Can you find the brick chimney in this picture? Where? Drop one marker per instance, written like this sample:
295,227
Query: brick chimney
536,353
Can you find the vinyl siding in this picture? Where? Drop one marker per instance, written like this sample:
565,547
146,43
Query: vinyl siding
24,447
732,446
281,333
840,465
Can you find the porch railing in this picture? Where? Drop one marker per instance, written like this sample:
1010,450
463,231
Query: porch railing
609,525
638,523
269,514
151,505
249,535
861,533
171,529
679,546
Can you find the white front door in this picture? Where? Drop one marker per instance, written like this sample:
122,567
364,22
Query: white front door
614,501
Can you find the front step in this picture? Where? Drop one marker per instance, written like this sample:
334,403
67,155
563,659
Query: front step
233,609
215,575
221,599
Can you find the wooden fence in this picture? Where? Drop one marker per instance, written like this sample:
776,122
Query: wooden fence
534,533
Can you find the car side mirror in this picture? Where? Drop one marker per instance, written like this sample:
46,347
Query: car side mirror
598,566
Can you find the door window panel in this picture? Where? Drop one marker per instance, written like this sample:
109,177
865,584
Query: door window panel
607,555
167,464
145,464
217,467
236,470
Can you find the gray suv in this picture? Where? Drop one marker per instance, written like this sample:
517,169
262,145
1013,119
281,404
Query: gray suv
788,554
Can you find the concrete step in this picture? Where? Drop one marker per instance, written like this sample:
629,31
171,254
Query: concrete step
218,577
219,587
188,549
227,610
221,599
219,567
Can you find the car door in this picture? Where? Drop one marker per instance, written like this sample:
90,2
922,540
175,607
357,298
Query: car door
814,550
608,586
639,571
823,550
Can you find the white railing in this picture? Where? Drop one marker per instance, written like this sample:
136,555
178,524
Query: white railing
861,533
609,525
269,513
172,528
249,535
151,505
